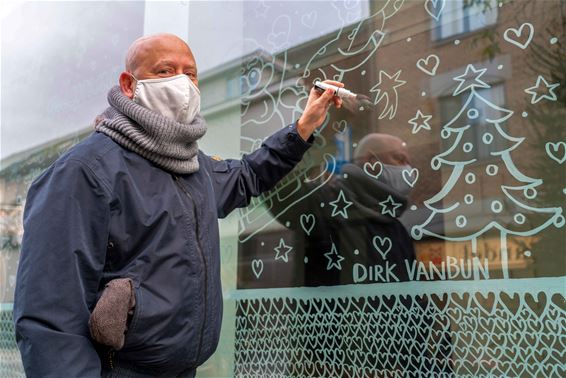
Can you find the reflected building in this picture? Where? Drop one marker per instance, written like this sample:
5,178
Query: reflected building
412,97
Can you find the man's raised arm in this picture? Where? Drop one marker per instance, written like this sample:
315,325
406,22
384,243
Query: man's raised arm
236,181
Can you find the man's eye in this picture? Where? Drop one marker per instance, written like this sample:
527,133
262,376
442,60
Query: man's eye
165,70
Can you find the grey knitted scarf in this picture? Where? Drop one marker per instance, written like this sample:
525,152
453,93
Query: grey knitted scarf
169,144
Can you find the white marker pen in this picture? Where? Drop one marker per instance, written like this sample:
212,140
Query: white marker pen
340,92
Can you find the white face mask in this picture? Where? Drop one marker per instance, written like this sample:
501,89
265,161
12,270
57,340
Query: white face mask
392,175
175,97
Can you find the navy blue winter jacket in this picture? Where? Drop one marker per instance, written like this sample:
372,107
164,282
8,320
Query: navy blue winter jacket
102,212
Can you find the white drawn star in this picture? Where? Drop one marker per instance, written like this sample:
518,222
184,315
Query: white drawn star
387,97
342,211
420,121
473,77
334,259
394,206
282,255
534,90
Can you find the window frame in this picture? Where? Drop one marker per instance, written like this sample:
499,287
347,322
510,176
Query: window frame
436,27
480,158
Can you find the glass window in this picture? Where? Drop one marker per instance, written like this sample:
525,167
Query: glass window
463,16
488,109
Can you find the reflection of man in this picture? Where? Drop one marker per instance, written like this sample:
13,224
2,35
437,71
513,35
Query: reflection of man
134,208
380,160
354,235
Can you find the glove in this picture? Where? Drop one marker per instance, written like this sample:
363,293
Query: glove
108,322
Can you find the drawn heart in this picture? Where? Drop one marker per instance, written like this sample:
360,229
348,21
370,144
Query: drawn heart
536,305
257,267
435,7
382,245
462,300
485,303
553,153
518,34
559,302
429,64
410,176
307,222
371,170
309,19
440,301
339,126
278,40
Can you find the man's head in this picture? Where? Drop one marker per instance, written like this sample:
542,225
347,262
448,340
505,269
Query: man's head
385,148
393,157
157,56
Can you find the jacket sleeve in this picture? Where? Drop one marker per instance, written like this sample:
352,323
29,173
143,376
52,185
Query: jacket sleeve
236,181
66,220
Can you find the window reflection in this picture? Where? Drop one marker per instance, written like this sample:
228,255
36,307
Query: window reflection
319,263
450,105
462,16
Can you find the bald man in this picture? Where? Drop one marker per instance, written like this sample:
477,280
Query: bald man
385,148
119,273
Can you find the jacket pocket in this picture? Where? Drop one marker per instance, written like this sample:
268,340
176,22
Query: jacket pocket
132,325
161,334
109,319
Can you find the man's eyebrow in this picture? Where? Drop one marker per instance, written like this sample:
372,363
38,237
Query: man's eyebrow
171,63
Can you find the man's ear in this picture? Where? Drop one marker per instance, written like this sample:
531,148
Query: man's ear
127,84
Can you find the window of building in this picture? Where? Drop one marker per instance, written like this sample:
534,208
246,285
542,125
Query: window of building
464,16
451,105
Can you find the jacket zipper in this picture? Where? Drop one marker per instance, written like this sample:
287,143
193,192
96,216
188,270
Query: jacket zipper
111,359
178,181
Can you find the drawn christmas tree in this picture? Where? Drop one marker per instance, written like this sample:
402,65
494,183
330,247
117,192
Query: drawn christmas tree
510,207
